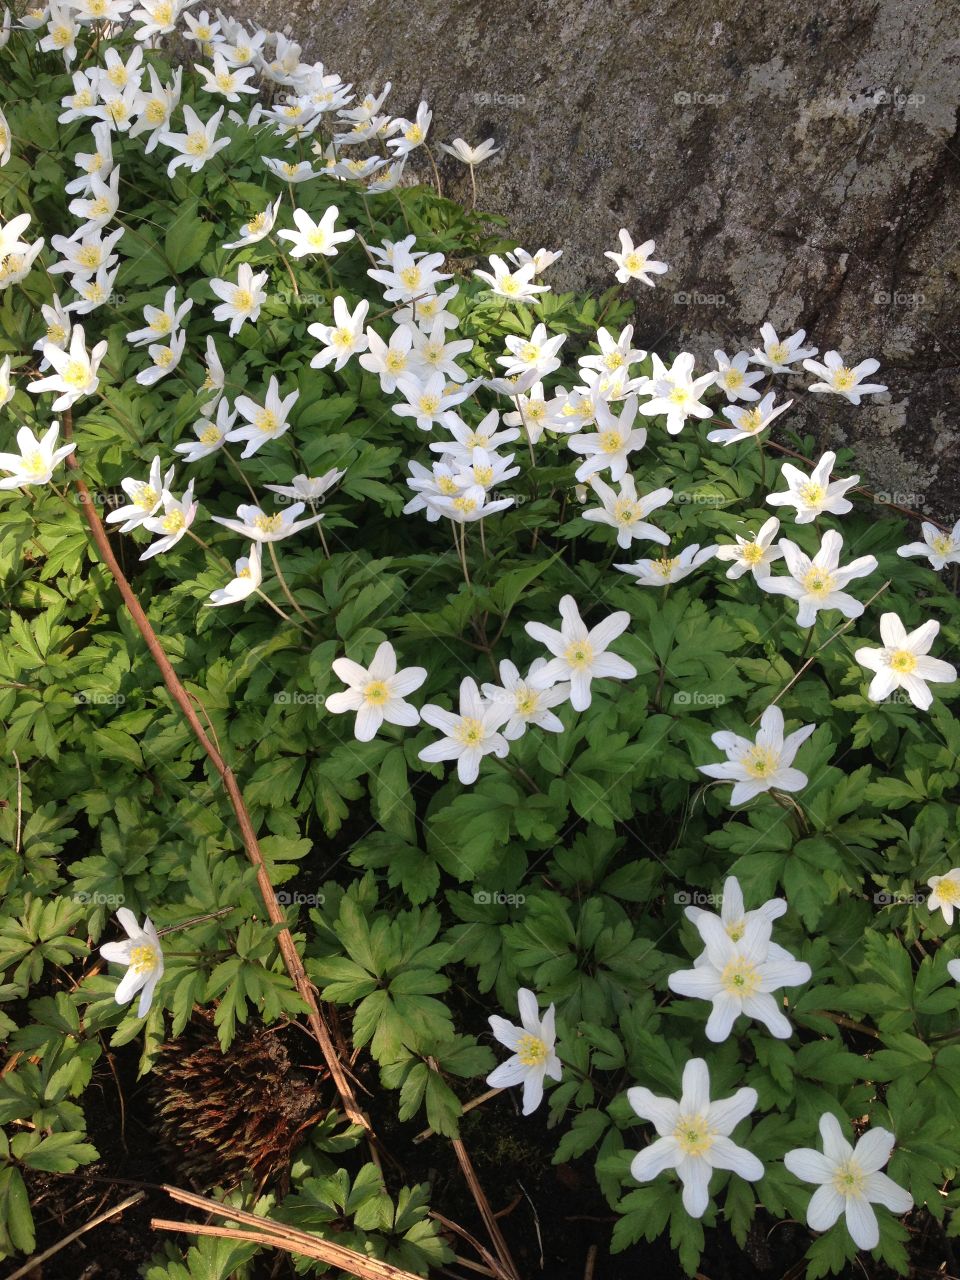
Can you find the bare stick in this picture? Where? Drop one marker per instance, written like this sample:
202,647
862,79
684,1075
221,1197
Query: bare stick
34,1263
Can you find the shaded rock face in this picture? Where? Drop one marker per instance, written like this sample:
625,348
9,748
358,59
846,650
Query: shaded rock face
797,164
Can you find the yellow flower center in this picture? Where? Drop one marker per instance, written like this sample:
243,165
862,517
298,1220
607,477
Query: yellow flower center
447,485
343,338
469,731
752,420
752,553
947,890
396,361
56,333
62,36
147,497
843,379
465,505
89,256
484,476
614,360
143,959
529,352
531,1051
75,374
903,661
256,224
376,692
266,421
527,700
163,13
268,524
97,8
118,109
161,323
779,352
196,143
35,464
156,111
610,441
95,163
740,977
818,582
942,544
625,511
414,134
411,277
579,655
244,572
812,493
117,76
224,82
635,261
761,762
733,378
242,300
849,1178
317,239
163,358
736,930
693,1135
290,169
665,566
174,522
210,436
83,99
429,404
679,396
509,285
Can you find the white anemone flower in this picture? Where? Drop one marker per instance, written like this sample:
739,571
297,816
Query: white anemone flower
376,693
944,893
6,385
818,583
241,301
37,459
580,655
733,377
466,154
635,262
515,286
316,237
142,954
263,422
75,372
747,423
739,976
165,359
903,662
837,378
305,488
249,575
527,699
850,1181
195,147
178,515
610,446
258,227
625,511
161,321
668,569
467,736
753,555
815,493
939,548
342,339
533,1048
734,916
211,433
778,354
255,524
145,498
677,393
765,764
694,1136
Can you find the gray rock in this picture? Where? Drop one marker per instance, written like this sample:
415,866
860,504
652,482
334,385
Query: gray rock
793,164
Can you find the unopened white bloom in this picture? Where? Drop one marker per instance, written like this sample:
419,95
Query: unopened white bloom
813,493
258,228
677,393
753,555
626,512
308,488
694,1136
142,955
850,1181
580,655
541,260
6,140
265,422
762,765
527,700
818,583
945,893
533,1048
256,525
733,377
939,548
316,237
75,372
469,735
748,423
777,355
241,301
668,569
903,662
376,693
342,339
738,977
609,447
249,576
463,152
37,459
178,515
515,286
837,378
635,263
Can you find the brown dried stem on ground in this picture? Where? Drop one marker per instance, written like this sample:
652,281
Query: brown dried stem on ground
180,696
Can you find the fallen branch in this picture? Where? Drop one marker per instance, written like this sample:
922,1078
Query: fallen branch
288,949
35,1263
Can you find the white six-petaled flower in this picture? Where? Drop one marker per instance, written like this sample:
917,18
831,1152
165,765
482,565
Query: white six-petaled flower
945,894
839,379
939,548
850,1181
142,954
469,735
694,1136
818,583
249,575
37,459
635,262
903,662
580,655
814,493
376,693
532,1045
753,555
762,765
